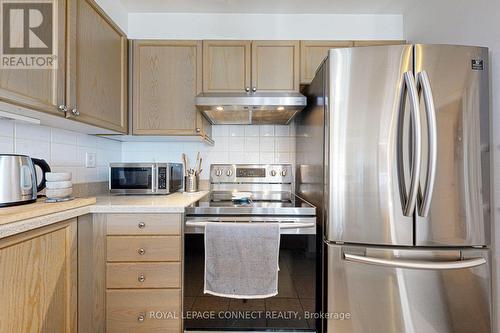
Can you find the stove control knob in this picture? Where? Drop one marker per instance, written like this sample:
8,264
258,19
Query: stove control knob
218,172
229,172
273,173
283,172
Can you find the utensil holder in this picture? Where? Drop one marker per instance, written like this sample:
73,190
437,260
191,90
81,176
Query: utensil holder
191,183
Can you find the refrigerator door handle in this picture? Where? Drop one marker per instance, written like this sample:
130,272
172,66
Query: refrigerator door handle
409,80
423,83
416,264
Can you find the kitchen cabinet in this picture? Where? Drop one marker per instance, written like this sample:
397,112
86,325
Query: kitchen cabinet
312,54
39,89
38,287
275,65
167,76
378,42
143,272
90,83
238,66
226,65
97,68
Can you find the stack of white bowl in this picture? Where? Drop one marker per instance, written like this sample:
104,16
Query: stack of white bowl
59,186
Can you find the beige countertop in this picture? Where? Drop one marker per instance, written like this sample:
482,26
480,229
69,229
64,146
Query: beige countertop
172,203
39,214
40,208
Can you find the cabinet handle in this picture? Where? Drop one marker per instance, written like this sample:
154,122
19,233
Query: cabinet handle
141,278
75,112
141,225
198,130
141,318
254,89
141,251
247,89
63,108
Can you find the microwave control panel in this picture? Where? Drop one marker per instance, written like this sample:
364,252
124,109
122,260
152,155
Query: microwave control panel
162,178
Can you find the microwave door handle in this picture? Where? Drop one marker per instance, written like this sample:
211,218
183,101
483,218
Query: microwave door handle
416,264
153,179
430,112
415,144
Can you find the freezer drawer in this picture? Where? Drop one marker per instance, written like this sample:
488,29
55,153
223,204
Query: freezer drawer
436,291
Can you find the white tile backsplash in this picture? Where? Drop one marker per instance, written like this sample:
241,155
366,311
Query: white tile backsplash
65,151
32,132
233,144
6,144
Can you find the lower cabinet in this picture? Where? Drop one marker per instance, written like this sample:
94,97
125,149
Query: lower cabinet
130,273
143,310
38,284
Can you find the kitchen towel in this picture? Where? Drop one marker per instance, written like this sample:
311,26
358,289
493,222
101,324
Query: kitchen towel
241,259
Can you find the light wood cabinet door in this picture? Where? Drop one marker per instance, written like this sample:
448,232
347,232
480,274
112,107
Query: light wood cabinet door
38,284
275,65
312,54
226,65
378,42
138,311
39,89
97,67
167,77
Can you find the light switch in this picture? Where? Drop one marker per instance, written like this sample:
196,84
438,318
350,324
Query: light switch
90,160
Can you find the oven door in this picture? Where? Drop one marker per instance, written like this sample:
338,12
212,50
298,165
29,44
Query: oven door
132,178
289,311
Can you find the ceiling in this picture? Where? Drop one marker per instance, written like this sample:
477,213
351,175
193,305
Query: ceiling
268,6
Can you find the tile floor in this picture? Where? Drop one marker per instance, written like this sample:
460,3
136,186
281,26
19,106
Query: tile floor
296,292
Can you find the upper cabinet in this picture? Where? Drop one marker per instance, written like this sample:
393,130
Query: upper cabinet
237,66
312,54
275,65
39,89
97,68
90,82
167,76
226,65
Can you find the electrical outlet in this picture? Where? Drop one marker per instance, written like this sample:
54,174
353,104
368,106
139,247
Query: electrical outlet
90,160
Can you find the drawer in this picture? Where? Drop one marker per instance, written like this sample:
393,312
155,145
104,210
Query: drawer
143,224
143,248
141,310
143,275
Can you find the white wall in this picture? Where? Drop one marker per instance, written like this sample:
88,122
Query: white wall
233,144
64,150
116,12
471,23
263,26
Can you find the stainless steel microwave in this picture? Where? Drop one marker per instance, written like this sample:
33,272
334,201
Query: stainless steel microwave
145,178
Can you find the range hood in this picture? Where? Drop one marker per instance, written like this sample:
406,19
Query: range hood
250,108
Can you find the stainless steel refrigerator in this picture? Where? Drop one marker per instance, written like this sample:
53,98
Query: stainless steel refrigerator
394,150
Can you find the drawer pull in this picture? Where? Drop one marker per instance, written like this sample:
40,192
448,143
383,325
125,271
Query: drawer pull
141,318
141,225
141,278
141,251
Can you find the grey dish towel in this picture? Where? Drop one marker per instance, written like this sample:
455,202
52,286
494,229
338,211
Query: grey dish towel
241,259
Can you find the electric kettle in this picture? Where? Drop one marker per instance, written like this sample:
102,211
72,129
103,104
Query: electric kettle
18,180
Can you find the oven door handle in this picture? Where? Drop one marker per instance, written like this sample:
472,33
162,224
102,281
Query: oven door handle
284,225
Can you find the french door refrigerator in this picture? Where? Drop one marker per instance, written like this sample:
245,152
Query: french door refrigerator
394,149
